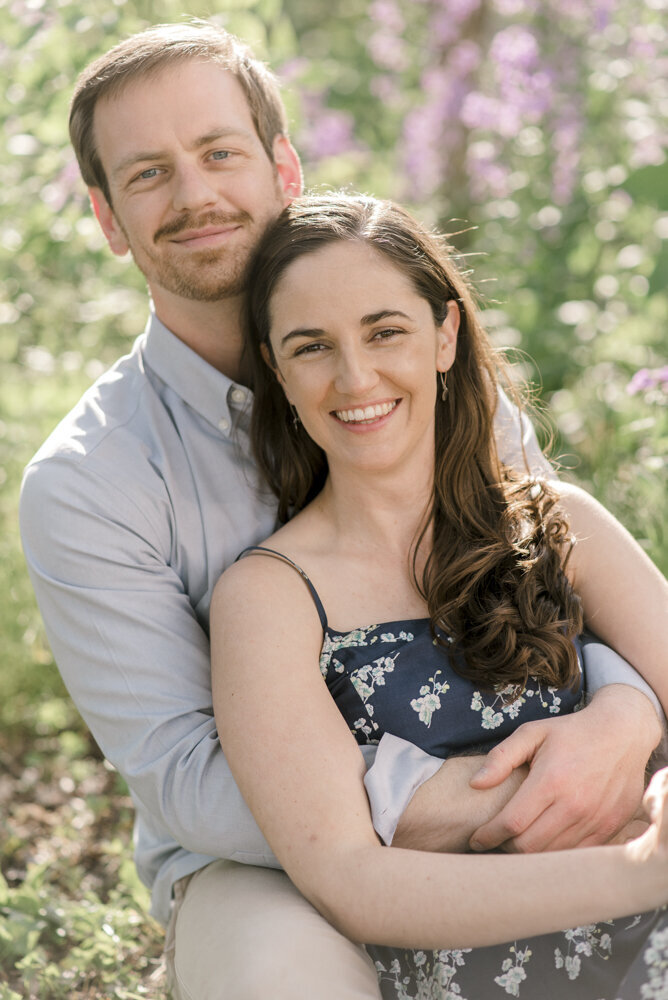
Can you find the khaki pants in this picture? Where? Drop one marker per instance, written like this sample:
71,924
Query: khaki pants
243,933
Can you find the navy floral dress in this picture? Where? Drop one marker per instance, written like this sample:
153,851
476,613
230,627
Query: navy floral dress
393,678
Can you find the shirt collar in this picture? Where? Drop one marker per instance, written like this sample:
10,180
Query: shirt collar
199,384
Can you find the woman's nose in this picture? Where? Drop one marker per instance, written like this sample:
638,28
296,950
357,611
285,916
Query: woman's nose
356,373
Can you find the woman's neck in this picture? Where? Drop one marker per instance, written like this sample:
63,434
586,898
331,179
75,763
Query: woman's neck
371,511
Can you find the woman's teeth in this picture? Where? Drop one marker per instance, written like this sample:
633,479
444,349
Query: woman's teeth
368,413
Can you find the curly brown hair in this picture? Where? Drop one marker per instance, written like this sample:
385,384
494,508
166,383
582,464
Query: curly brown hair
494,581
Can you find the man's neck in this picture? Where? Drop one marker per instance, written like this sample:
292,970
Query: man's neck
211,329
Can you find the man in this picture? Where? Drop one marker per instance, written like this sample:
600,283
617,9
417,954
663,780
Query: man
147,491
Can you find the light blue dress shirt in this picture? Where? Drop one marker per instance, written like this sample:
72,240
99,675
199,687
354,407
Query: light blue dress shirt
129,513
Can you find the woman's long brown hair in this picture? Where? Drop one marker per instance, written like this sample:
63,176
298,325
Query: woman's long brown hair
494,580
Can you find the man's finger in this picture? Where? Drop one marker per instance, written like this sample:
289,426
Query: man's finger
517,816
515,750
551,832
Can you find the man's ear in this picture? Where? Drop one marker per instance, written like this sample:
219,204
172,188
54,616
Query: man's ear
108,224
288,168
447,338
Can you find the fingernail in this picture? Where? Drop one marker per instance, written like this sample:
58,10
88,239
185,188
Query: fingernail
481,772
475,845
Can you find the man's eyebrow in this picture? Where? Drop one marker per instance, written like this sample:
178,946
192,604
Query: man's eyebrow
367,320
148,155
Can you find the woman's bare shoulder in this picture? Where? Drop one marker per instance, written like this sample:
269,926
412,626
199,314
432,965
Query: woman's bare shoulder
265,588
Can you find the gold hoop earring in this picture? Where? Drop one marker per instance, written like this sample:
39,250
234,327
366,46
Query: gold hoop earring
444,388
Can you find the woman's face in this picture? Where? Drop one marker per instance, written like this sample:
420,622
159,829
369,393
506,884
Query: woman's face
357,350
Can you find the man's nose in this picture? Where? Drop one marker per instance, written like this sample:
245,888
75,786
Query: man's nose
193,190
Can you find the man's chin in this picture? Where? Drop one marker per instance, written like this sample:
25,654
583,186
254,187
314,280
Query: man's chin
199,287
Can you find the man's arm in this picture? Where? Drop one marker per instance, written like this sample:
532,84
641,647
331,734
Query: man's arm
423,802
132,653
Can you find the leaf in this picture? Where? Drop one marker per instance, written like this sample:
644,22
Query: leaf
649,185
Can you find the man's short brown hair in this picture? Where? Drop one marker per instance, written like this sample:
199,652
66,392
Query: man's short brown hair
152,50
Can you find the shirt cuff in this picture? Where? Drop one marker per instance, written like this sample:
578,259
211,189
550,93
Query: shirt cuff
392,780
604,666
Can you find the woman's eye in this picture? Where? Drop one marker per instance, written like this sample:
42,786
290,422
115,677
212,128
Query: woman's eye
309,349
386,334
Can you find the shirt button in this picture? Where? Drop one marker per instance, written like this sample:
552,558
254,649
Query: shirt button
224,424
238,396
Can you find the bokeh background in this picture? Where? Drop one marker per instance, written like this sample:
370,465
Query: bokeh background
535,130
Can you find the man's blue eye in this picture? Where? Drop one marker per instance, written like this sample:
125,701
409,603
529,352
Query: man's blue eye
149,174
220,154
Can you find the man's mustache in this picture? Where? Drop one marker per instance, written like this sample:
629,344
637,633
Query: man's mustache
188,222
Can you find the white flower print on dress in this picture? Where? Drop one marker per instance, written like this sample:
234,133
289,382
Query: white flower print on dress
511,703
365,679
332,643
554,705
358,637
583,942
491,719
432,975
656,958
429,700
513,971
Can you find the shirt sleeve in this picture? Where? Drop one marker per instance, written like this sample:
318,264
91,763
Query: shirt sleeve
132,653
604,666
516,439
392,780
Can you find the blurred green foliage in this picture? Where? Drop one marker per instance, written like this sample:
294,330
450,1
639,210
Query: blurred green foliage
570,255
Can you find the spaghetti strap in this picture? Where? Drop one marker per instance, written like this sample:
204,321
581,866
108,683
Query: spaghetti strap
279,555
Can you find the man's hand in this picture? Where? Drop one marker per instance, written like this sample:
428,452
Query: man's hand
445,810
586,780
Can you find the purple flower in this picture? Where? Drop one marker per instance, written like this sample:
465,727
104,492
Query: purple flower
387,50
648,379
515,48
327,131
464,58
516,8
459,10
387,13
482,112
293,69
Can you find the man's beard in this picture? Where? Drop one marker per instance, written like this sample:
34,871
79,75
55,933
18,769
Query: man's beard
206,275
202,281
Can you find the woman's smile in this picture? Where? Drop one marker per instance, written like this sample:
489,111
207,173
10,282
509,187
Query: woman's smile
370,415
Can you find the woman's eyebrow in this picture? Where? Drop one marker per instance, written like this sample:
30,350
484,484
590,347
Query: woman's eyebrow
368,320
302,332
371,318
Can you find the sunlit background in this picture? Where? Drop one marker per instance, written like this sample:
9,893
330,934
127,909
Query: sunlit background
535,129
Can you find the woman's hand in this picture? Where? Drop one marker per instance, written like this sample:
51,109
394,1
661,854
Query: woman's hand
654,842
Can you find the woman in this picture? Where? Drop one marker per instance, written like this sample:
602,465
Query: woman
375,389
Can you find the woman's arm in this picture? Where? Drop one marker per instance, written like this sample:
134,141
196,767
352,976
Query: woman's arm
272,708
625,597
